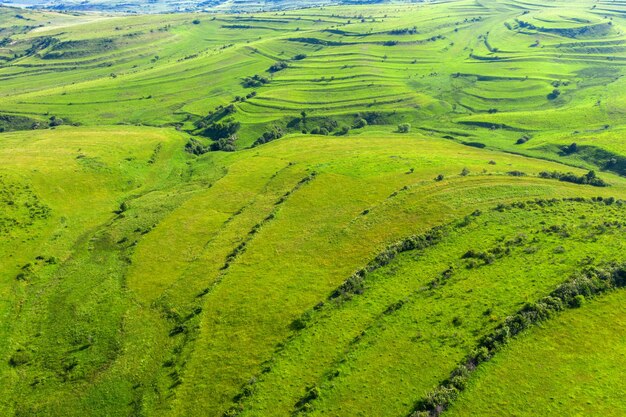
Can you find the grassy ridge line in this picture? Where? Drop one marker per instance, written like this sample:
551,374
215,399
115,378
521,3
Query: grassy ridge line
352,286
188,325
588,283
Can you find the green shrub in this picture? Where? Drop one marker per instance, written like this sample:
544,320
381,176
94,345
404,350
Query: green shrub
343,131
404,128
273,134
554,94
19,358
279,66
359,123
312,393
255,81
578,300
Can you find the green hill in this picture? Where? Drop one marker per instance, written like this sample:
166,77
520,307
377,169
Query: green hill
374,210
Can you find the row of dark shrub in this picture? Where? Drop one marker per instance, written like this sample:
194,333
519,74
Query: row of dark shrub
354,285
227,144
588,283
275,133
548,202
255,81
589,178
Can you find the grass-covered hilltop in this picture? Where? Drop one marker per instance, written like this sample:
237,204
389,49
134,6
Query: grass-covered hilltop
398,209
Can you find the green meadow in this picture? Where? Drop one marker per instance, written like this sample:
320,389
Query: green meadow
325,211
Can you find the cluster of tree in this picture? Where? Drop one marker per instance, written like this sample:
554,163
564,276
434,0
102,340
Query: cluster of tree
39,44
359,123
487,257
299,57
11,122
523,140
214,116
355,283
589,178
406,31
255,81
572,294
270,135
479,145
554,94
304,403
278,66
227,144
559,83
325,127
372,117
221,130
244,98
195,147
570,149
526,25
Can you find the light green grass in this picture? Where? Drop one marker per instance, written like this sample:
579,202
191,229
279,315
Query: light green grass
139,279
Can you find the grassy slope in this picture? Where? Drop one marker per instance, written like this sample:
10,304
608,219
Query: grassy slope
173,305
409,349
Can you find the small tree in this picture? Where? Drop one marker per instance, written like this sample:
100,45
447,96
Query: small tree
279,66
554,94
465,172
573,148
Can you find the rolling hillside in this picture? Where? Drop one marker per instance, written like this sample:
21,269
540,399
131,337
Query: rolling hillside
353,210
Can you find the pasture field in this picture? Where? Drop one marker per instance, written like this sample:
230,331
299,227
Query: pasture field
565,354
318,211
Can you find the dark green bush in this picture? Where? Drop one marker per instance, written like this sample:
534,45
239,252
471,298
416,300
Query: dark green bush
404,127
255,81
279,66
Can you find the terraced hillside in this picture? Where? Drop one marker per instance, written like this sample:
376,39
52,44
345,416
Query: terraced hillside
390,210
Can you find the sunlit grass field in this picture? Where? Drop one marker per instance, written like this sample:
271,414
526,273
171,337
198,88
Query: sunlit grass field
148,270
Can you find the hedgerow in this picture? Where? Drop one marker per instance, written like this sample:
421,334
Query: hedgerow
588,283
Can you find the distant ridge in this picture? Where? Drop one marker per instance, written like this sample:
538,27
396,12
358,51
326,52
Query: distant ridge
172,6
